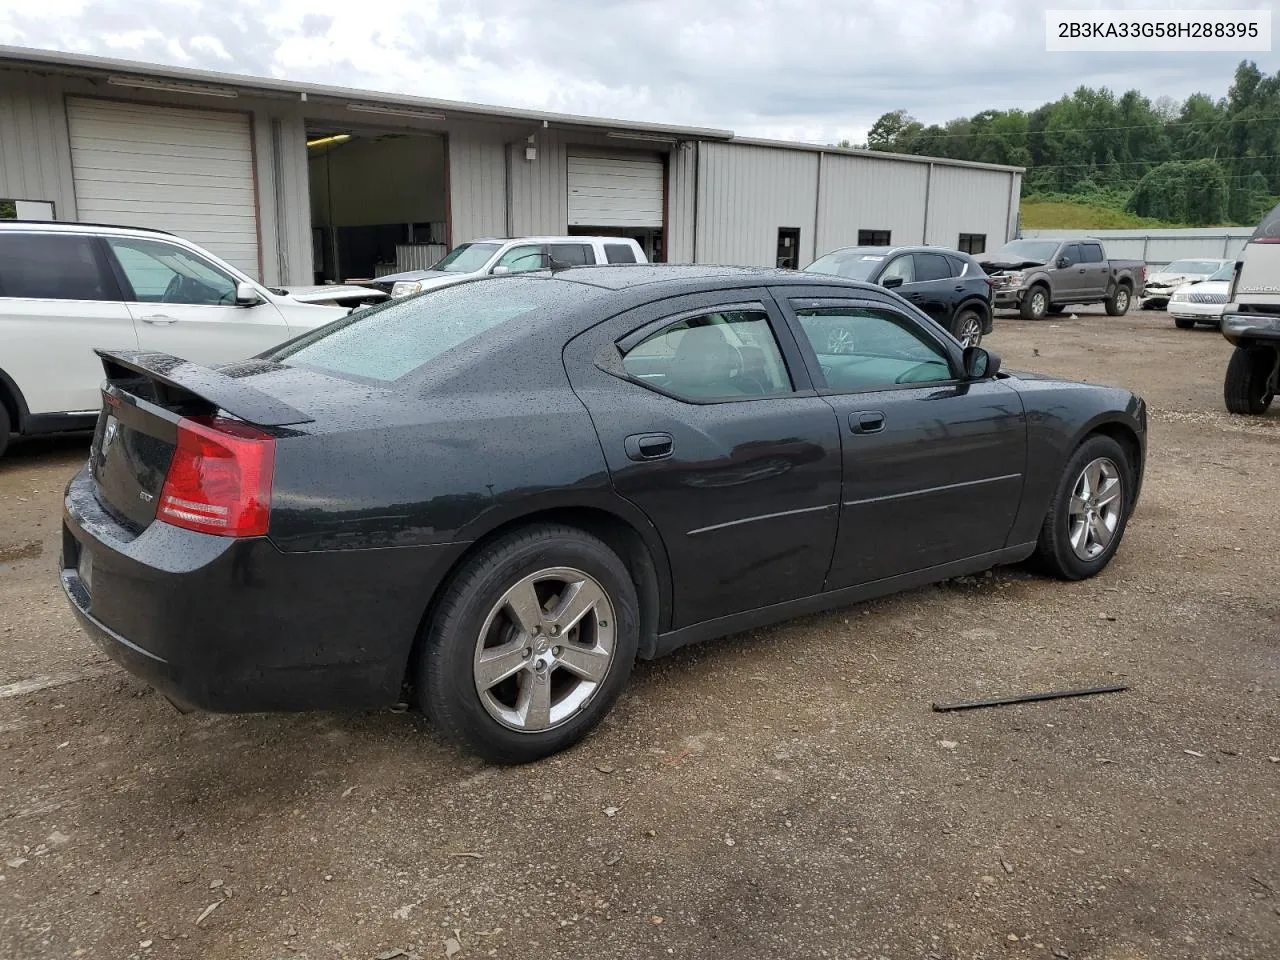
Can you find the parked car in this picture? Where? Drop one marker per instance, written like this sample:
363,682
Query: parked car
502,492
1163,282
490,257
949,286
1040,277
1251,322
1202,301
66,288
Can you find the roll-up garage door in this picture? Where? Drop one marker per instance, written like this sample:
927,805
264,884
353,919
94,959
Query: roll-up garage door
189,172
615,191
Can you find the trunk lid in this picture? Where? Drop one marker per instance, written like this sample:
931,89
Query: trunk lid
145,396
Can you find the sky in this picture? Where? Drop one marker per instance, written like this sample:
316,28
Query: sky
814,70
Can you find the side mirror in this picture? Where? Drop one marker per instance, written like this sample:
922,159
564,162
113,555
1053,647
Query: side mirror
980,364
500,271
1063,263
889,283
247,295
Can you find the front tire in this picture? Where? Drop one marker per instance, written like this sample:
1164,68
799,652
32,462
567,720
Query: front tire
1249,386
1118,303
1089,512
967,327
1035,304
530,646
1183,324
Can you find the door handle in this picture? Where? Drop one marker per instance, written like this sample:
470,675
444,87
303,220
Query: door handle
866,421
648,446
159,318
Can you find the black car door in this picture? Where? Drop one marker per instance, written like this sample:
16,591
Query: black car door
709,424
933,290
933,463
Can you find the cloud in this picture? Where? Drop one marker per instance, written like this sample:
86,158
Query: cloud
798,69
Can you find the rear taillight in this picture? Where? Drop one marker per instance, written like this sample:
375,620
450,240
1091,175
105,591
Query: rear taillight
219,480
1265,240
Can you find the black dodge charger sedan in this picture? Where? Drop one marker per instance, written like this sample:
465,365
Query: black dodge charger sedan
499,494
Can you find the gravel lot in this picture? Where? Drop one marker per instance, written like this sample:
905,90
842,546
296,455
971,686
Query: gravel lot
782,793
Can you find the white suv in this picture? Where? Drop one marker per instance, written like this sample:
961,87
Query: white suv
66,288
491,257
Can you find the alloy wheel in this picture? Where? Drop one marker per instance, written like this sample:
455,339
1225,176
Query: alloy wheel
545,649
971,332
1097,505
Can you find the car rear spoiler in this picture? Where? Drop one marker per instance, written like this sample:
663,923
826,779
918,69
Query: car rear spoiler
192,381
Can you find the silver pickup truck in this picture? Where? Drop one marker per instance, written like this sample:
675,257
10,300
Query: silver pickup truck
1040,277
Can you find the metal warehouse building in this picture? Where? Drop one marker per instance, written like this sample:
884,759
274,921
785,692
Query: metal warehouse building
300,183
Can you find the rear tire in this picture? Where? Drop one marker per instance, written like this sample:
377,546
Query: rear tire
1035,304
5,427
1118,303
1248,388
477,618
1183,324
1067,551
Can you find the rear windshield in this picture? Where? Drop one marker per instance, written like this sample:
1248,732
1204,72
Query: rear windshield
394,339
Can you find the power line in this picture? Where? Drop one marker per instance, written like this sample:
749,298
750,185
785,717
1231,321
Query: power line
1150,163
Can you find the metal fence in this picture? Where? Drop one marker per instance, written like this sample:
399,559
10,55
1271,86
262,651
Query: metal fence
1158,247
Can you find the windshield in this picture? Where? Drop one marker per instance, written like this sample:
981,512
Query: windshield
854,264
391,340
467,258
1225,271
1193,267
1025,250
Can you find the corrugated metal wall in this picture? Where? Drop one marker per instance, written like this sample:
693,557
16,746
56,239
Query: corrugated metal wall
682,178
477,184
968,200
862,193
35,155
745,194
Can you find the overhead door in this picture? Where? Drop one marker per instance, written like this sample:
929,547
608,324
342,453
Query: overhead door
189,172
615,191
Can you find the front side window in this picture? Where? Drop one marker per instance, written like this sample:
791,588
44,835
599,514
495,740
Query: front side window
523,259
164,273
1071,253
902,267
932,266
864,348
49,266
574,254
717,356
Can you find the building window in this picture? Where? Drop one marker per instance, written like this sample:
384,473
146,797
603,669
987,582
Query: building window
26,210
972,243
788,248
873,238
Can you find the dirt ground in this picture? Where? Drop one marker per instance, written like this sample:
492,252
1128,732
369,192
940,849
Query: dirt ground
782,793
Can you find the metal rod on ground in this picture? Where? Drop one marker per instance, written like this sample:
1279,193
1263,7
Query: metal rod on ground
1026,698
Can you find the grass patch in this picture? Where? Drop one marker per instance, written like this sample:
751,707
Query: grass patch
1066,215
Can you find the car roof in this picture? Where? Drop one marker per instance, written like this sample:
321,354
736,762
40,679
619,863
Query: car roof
68,226
887,251
695,277
579,239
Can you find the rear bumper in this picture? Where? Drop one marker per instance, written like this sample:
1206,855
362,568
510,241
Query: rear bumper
239,626
1250,327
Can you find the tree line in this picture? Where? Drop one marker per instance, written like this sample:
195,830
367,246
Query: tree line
1201,162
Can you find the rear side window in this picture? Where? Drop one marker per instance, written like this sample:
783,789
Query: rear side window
718,356
48,266
619,253
388,342
1092,252
576,254
932,266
